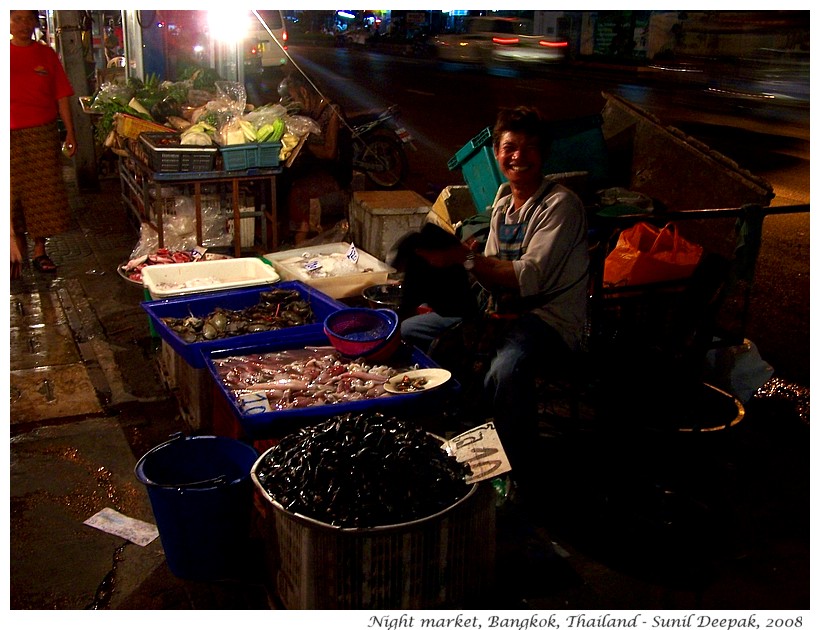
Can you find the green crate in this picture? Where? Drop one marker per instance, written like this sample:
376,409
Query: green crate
480,170
241,157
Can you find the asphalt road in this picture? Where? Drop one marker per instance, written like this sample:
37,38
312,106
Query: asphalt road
445,105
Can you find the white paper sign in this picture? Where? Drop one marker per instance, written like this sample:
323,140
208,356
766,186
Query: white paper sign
254,402
481,449
353,253
138,532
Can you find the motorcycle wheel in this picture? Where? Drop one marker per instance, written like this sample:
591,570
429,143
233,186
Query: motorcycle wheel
384,160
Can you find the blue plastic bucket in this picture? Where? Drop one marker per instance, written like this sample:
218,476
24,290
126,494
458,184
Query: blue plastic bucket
202,497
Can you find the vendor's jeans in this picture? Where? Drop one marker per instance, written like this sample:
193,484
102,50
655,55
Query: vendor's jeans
529,347
423,330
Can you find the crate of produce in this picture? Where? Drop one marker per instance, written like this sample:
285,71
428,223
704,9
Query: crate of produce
239,317
171,280
328,268
269,415
166,154
241,157
132,126
480,170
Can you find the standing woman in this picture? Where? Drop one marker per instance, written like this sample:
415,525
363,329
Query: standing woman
40,92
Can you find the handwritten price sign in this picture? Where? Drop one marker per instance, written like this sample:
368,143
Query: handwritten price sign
481,449
254,402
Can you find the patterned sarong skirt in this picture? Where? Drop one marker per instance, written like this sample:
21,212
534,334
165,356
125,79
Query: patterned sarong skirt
39,201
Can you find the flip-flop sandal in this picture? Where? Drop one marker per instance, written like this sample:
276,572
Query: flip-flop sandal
44,264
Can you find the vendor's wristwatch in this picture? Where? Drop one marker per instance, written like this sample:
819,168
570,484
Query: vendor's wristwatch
469,262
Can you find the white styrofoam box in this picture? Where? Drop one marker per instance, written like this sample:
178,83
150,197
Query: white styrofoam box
290,265
170,280
380,218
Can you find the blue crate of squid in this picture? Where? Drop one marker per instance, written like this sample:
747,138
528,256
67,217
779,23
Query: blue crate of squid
270,412
181,320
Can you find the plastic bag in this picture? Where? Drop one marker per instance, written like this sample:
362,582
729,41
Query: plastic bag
232,96
214,224
266,114
738,369
111,93
645,254
225,111
179,228
148,242
302,125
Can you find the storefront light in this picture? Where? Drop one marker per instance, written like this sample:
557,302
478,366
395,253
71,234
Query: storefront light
227,25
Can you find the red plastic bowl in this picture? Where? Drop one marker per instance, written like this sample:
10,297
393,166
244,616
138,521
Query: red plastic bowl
363,332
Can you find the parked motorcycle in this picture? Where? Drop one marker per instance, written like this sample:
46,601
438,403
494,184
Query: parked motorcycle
379,142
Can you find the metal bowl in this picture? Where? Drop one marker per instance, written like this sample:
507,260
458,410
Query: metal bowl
383,295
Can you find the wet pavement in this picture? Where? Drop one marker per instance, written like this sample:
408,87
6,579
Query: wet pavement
718,522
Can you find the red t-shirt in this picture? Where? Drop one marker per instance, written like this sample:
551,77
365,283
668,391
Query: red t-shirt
38,81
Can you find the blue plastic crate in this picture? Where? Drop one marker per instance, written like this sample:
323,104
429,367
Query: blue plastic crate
578,144
273,424
480,170
241,157
202,304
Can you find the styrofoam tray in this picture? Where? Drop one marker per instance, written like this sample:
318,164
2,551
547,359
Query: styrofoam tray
374,271
164,281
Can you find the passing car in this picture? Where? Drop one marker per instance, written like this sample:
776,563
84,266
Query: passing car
500,40
269,47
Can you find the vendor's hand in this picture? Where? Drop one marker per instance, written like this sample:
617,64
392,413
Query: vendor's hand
472,244
449,257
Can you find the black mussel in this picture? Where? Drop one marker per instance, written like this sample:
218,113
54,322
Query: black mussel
362,471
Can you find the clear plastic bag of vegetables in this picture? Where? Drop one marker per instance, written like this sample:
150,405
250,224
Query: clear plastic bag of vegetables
111,93
228,107
268,122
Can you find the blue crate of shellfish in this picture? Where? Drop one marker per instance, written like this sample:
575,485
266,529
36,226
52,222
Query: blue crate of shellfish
191,324
315,369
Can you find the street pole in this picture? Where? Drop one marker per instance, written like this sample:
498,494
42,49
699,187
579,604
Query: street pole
69,44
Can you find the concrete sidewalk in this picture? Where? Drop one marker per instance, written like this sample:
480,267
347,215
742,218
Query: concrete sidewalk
88,400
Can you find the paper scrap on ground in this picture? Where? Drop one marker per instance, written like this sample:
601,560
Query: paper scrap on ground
138,532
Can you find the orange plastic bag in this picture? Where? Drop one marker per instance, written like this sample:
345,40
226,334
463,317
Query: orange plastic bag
646,254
